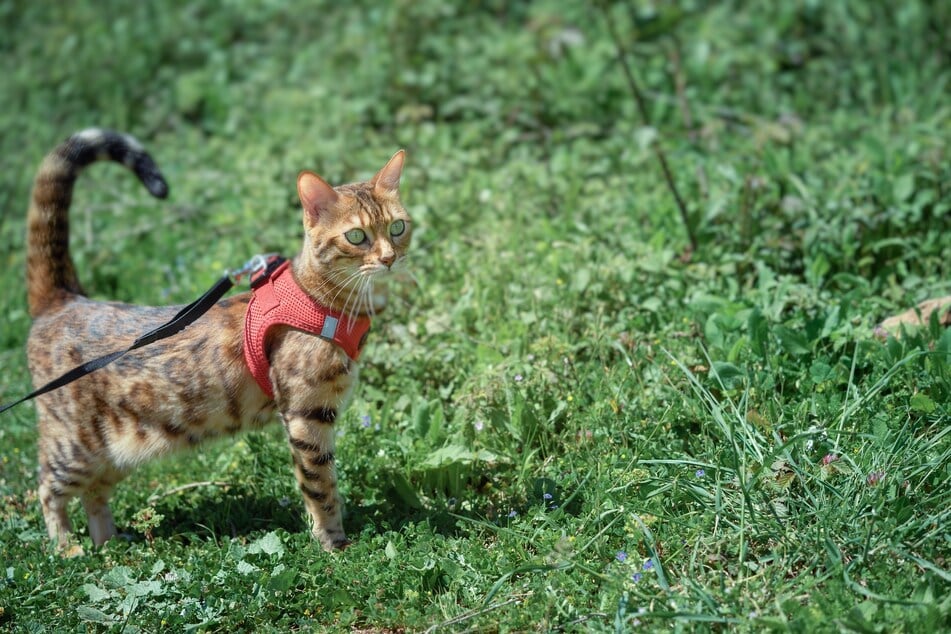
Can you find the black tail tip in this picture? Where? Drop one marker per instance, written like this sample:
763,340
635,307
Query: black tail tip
155,184
150,175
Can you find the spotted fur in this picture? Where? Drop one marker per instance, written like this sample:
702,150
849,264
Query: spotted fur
195,386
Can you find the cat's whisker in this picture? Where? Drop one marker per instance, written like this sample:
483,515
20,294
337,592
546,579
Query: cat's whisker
353,288
345,285
368,297
361,306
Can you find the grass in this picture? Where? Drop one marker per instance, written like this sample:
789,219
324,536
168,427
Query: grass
570,422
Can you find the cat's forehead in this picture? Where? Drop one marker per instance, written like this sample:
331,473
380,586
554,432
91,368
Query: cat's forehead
361,203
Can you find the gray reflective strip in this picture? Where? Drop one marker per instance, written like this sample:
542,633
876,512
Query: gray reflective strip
330,327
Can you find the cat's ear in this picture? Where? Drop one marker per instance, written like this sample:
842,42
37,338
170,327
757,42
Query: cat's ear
387,180
316,195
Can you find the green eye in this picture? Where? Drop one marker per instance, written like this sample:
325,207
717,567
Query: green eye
397,228
355,236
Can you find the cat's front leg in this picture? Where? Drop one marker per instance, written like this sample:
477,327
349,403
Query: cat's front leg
310,433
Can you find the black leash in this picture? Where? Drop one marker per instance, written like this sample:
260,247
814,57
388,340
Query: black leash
259,267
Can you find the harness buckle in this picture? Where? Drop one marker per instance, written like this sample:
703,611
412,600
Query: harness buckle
257,263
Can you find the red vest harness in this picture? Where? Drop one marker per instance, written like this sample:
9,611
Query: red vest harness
277,299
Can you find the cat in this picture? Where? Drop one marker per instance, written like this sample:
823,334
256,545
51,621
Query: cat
195,385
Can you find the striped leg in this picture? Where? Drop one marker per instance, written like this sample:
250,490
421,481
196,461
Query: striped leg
53,503
59,482
311,436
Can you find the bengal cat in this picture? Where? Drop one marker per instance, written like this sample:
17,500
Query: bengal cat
196,385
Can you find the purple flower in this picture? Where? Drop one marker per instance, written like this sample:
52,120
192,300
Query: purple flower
547,496
518,378
365,421
621,555
479,425
636,577
829,458
512,514
701,473
874,478
649,564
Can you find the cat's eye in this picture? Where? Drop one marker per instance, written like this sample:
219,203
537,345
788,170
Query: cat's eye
356,236
397,228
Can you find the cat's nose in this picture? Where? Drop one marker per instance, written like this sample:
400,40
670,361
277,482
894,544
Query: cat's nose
388,259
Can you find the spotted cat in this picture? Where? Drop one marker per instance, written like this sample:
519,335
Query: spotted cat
196,385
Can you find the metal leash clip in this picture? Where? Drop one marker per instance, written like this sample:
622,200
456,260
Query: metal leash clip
257,263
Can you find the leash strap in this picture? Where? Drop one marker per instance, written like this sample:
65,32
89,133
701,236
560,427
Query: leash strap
179,322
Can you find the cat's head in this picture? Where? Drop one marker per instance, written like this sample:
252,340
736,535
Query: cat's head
354,235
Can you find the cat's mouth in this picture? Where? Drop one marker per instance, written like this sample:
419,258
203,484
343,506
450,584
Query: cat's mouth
359,289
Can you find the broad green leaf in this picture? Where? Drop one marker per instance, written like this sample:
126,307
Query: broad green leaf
791,341
93,615
118,577
451,454
729,375
904,187
269,544
145,588
282,579
245,568
581,279
95,593
405,491
758,329
921,402
821,372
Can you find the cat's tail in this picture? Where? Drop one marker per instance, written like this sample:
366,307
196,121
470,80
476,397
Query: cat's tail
50,274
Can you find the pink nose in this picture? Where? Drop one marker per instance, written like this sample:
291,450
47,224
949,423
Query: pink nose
388,259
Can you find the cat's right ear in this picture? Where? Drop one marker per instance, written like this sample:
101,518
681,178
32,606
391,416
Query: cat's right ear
316,195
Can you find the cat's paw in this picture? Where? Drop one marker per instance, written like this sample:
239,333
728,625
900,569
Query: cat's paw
333,540
70,550
341,544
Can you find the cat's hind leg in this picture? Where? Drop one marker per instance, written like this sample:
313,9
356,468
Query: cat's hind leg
53,502
60,480
66,471
55,496
102,526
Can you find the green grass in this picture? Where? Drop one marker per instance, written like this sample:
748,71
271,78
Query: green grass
564,382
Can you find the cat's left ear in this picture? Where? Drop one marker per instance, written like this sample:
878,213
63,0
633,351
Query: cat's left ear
387,180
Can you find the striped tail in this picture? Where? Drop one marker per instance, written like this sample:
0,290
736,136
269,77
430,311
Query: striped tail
50,273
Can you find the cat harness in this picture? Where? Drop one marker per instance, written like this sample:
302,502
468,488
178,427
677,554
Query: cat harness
276,298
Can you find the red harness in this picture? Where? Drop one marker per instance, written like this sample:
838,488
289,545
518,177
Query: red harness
277,299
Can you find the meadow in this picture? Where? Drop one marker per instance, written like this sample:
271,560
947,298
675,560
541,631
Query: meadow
588,409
